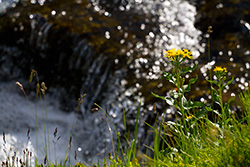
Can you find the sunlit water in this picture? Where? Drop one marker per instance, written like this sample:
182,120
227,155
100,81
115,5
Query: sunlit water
91,138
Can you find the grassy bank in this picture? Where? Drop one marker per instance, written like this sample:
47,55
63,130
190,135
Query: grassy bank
202,135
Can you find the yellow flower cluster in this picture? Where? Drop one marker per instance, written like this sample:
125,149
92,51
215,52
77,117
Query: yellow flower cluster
174,53
220,69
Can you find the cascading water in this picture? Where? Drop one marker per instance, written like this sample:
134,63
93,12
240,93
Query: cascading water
72,61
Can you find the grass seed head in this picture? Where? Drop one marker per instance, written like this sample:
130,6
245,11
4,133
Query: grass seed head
32,75
28,133
4,140
45,160
210,29
55,132
75,155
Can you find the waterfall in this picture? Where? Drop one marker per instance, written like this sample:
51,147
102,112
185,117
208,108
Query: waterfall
74,60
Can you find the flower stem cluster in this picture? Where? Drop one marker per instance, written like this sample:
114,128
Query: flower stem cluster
184,106
221,83
176,77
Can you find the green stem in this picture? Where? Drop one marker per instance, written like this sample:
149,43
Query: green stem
180,95
221,100
45,105
210,72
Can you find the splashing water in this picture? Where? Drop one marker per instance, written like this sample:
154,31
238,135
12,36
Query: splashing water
174,20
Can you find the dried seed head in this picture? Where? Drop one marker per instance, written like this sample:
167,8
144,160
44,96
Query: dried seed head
43,91
43,86
210,29
17,161
19,84
94,109
70,140
154,108
28,133
21,87
37,89
75,155
55,132
11,148
45,160
32,75
4,138
80,100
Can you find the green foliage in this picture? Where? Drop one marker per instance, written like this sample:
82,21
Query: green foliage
193,140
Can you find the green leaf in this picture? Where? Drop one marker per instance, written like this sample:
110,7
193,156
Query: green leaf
193,80
209,109
170,77
227,121
201,113
176,105
191,104
215,95
170,101
189,69
216,112
226,107
187,88
157,96
167,75
212,81
229,82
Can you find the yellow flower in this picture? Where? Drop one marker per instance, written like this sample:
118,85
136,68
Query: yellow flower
220,69
174,53
188,117
187,54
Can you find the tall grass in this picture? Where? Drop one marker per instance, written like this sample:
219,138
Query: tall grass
30,159
192,140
